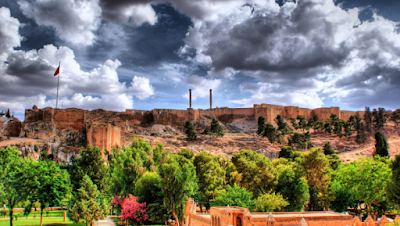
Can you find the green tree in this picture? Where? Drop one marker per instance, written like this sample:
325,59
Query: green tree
86,203
328,127
189,131
338,128
300,140
187,153
261,125
394,185
234,196
270,202
178,182
379,118
294,123
316,169
344,198
291,184
48,185
381,145
148,190
286,152
210,174
366,179
270,132
361,137
255,171
368,120
282,125
395,117
12,168
90,163
216,128
348,131
302,122
328,150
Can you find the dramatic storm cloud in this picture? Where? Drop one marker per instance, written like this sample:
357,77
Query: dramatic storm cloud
146,54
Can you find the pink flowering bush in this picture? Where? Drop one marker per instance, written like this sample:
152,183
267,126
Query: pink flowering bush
117,203
132,211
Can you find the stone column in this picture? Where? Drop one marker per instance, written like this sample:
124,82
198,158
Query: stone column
210,98
190,98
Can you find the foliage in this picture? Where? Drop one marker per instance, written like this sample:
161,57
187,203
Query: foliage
187,153
12,168
178,182
302,122
256,172
129,164
291,184
270,202
381,145
216,128
270,132
379,118
338,127
50,188
328,150
282,126
234,196
315,166
86,203
286,152
361,137
368,120
294,123
132,211
210,174
394,185
189,131
261,125
148,190
328,127
300,140
366,179
91,164
395,117
343,198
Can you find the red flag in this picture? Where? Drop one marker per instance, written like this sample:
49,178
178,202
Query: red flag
57,71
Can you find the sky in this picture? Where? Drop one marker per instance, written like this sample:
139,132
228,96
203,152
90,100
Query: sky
147,54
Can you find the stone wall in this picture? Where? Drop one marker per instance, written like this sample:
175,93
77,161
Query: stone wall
238,216
104,136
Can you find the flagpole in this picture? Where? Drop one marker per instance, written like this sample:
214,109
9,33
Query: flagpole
58,83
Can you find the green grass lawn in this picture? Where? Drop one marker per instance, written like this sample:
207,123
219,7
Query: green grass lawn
33,222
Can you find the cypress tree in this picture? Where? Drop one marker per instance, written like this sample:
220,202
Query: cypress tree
261,125
381,145
361,134
216,128
328,149
190,132
368,120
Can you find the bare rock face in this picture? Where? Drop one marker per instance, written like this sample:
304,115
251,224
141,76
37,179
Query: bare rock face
11,128
38,130
160,130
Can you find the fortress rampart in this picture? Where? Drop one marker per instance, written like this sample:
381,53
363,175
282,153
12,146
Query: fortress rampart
103,128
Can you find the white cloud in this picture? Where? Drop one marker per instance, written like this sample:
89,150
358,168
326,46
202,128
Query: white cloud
27,78
75,21
273,94
9,36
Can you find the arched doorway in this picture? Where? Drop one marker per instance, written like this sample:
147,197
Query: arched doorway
238,221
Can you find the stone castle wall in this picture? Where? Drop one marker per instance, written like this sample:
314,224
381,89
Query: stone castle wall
103,128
